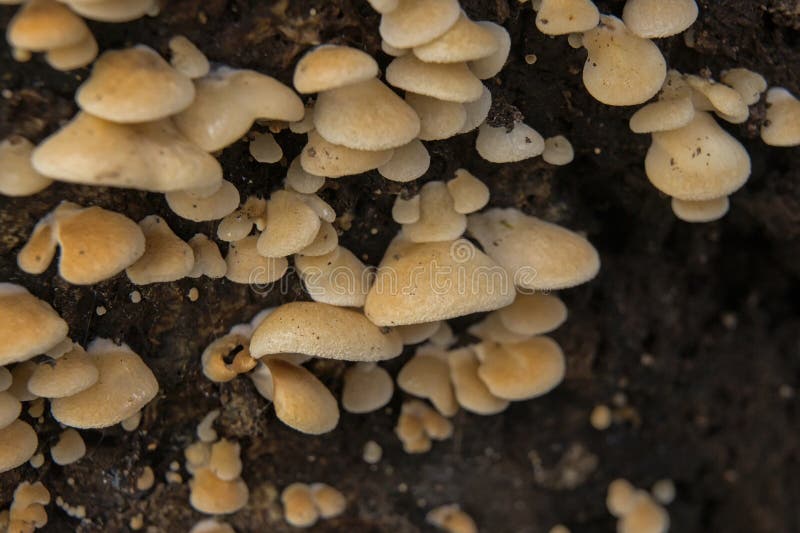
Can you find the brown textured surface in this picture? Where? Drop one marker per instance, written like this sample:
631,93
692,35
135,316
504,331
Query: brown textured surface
706,413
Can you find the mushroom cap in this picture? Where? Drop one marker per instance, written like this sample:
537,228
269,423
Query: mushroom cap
299,509
207,259
214,207
384,6
69,374
477,111
560,17
74,56
427,375
246,265
464,41
700,210
452,82
297,179
338,278
213,358
329,67
291,225
28,325
558,150
438,119
329,501
367,387
69,448
783,119
419,282
152,156
653,19
134,85
620,497
17,175
645,516
471,393
326,241
699,161
408,162
417,333
41,25
96,244
301,400
521,371
416,22
10,408
452,519
187,58
438,219
621,68
533,314
726,101
468,192
322,158
18,442
498,145
212,495
406,211
224,460
323,330
747,83
264,148
664,115
20,375
210,525
537,254
166,256
365,116
125,385
112,10
490,66
226,103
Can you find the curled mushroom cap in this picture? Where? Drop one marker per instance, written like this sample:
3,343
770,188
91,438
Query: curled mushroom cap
330,67
213,358
451,82
499,145
324,243
207,259
299,509
323,330
416,22
125,385
17,175
212,495
246,265
407,163
652,19
471,393
533,314
367,387
151,156
226,103
323,158
291,225
438,218
426,282
67,375
69,448
301,400
521,371
699,161
28,325
464,41
700,210
214,207
365,116
134,85
166,257
427,375
559,17
489,66
782,127
338,278
451,519
747,83
18,442
664,115
10,408
726,101
538,255
622,68
42,25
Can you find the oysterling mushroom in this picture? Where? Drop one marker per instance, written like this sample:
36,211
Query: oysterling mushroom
17,175
427,375
367,387
28,325
560,17
166,257
521,371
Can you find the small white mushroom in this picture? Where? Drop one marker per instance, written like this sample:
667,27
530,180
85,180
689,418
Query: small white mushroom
498,145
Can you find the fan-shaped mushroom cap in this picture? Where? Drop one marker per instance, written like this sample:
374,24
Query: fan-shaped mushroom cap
367,387
166,256
298,505
664,115
134,85
291,225
490,66
747,83
323,330
41,25
406,211
338,278
113,10
558,150
28,325
246,265
416,22
537,254
329,501
438,219
301,400
464,41
533,314
322,158
67,375
560,17
652,19
782,127
438,119
622,68
419,282
365,116
324,243
73,56
212,495
408,162
18,442
700,210
427,375
187,58
207,259
226,103
214,207
417,333
521,371
452,82
125,385
10,408
699,161
469,193
152,156
498,145
17,175
69,448
726,101
330,67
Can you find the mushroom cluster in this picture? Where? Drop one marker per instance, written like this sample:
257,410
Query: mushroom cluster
635,509
27,512
304,505
216,486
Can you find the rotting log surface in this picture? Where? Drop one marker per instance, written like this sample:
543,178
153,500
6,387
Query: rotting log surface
716,305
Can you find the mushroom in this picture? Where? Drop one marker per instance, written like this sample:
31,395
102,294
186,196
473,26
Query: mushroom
471,393
246,265
558,150
125,385
438,119
416,22
438,219
324,243
499,145
210,525
537,254
299,509
601,417
653,19
451,82
372,452
329,501
113,10
207,259
620,497
384,6
560,17
17,175
468,192
451,519
427,375
28,325
663,491
291,225
20,375
782,127
490,66
5,378
323,158
66,376
73,56
664,115
726,101
338,278
417,333
238,224
224,460
367,387
10,408
134,85
521,371
264,148
408,162
477,111
212,495
406,211
464,41
299,180
646,516
166,257
215,206
329,67
69,448
533,314
418,424
491,328
323,330
700,210
747,83
213,358
18,442
187,58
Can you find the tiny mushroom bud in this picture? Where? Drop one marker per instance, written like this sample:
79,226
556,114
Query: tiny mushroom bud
560,17
190,206
265,149
69,448
224,460
620,497
301,400
367,387
782,127
700,210
451,519
416,22
469,193
67,375
490,66
28,325
245,265
187,58
18,442
166,256
17,175
645,516
472,393
330,67
406,211
299,509
521,371
408,162
438,119
207,259
216,368
664,491
558,150
438,219
533,314
498,145
427,375
291,225
464,41
747,83
329,501
452,82
653,19
338,278
323,158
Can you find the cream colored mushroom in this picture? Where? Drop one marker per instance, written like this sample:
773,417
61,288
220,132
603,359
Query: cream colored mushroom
297,179
151,156
492,329
477,111
664,115
323,330
560,17
218,205
113,10
166,256
301,401
646,516
207,259
224,460
28,325
187,58
69,448
213,358
653,19
418,424
451,519
620,497
324,243
17,175
329,501
10,408
782,127
438,119
66,376
5,378
438,219
291,225
521,371
367,387
125,385
464,41
451,82
212,495
443,337
407,163
134,85
299,509
469,193
265,149
558,150
305,124
406,211
471,393
499,145
18,442
73,56
20,375
537,254
210,525
322,158
246,265
393,51
533,314
330,67
427,375
384,6
338,278
417,333
622,68
727,102
747,83
490,66
238,224
416,22
42,25
700,210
